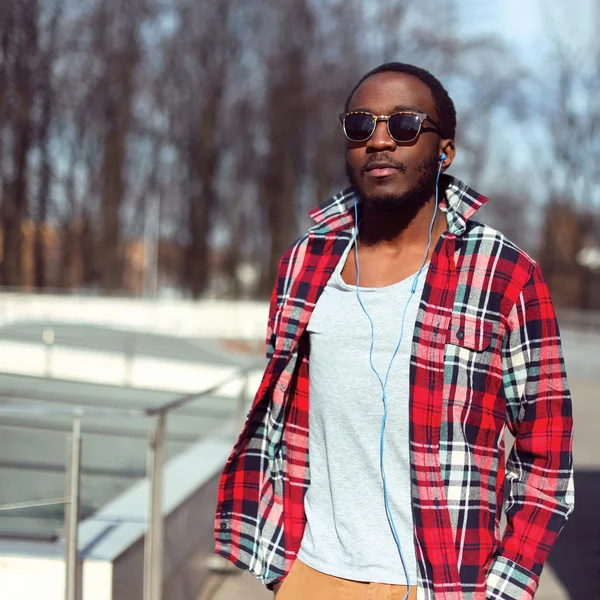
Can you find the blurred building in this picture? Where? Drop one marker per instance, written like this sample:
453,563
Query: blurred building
570,243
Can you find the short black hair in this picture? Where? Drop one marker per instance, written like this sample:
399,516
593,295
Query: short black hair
443,102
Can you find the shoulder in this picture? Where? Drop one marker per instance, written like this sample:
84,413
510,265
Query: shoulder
295,252
290,264
496,271
490,246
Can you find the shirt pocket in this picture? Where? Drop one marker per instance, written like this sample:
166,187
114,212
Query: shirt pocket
472,333
472,407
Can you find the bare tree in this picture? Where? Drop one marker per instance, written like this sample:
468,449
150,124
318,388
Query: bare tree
46,92
567,117
198,60
228,110
20,53
118,38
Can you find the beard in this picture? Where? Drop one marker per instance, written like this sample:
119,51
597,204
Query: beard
411,201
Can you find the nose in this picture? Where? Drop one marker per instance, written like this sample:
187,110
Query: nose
381,139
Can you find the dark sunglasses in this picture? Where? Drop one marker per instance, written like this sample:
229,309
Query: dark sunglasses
403,127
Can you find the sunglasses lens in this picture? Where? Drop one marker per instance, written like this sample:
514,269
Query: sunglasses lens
359,127
404,128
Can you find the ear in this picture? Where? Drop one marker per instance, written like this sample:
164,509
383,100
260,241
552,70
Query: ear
447,147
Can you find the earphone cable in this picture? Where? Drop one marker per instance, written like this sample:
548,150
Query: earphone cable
383,383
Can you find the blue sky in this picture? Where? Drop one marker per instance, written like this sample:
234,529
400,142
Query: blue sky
528,27
523,23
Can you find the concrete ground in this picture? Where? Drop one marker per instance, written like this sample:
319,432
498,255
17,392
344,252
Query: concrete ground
242,586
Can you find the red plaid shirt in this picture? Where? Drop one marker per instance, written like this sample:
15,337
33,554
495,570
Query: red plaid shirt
486,354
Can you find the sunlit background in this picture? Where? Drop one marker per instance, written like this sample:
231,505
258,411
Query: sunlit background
156,159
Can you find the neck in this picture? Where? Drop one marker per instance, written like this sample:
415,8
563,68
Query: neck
398,229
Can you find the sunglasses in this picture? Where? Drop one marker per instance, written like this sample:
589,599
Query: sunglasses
403,127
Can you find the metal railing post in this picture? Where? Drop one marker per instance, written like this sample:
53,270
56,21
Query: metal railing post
156,452
242,407
129,355
72,513
153,544
48,339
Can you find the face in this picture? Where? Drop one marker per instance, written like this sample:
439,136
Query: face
389,175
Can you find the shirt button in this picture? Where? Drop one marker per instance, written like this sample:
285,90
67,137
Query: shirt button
223,524
460,334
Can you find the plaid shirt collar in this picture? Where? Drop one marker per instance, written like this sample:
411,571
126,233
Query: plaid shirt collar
458,201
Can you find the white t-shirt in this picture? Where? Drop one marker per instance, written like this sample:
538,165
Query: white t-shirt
347,533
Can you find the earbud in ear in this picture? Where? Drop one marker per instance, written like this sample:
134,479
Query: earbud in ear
443,157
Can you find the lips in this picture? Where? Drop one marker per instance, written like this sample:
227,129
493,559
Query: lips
381,169
382,172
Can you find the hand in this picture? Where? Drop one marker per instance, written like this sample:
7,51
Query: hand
276,588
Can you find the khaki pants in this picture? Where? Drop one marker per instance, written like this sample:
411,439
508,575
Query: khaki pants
304,583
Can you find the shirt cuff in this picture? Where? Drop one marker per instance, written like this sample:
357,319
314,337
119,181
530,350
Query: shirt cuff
506,580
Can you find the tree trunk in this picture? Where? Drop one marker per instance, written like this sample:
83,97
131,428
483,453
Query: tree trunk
40,250
117,119
15,205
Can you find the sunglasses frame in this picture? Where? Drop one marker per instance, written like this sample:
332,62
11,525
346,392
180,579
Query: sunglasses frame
376,118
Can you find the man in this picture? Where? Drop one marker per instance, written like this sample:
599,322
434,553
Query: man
426,333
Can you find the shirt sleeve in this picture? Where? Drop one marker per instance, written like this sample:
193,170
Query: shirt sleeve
281,287
539,469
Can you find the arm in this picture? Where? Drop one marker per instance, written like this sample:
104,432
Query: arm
540,466
283,281
271,323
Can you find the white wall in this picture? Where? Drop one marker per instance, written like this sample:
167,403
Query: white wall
244,320
36,578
